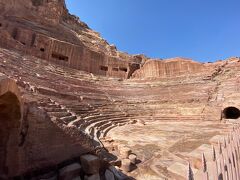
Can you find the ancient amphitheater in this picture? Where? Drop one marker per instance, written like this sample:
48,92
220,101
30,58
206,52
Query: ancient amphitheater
73,107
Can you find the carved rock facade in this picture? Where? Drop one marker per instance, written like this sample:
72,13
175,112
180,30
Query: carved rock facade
59,101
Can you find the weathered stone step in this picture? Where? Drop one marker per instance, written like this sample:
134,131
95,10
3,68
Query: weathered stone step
43,104
111,121
95,113
77,122
84,112
105,126
79,106
105,131
59,114
68,119
100,131
53,106
55,110
102,116
102,119
93,129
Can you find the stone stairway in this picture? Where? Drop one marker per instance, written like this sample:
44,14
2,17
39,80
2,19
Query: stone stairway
84,116
88,120
54,109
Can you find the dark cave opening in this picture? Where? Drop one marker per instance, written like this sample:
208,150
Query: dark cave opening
231,113
10,115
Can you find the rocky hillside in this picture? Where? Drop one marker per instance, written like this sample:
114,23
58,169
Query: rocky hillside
45,29
66,94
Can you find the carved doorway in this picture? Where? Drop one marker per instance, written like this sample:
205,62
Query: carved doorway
10,115
231,113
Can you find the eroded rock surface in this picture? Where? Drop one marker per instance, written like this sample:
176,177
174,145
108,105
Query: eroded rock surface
65,93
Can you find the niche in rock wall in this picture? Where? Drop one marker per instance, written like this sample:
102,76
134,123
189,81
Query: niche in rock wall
115,69
231,113
37,2
133,68
59,57
104,68
15,33
23,36
123,69
33,39
23,43
42,49
10,115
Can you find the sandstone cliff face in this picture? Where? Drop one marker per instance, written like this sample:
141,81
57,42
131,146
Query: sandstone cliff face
29,138
53,13
169,68
52,57
10,120
43,11
45,29
97,104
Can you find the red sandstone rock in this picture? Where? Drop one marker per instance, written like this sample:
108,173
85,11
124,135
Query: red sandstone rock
117,173
169,68
35,129
83,44
126,165
69,172
19,33
192,99
124,151
92,177
90,164
77,178
48,176
132,158
109,175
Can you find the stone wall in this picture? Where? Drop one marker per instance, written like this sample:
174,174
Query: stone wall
169,68
62,52
34,10
10,122
48,143
46,30
30,139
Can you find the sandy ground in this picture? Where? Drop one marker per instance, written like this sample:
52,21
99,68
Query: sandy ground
164,148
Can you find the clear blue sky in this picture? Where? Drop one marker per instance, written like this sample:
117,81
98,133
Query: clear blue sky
204,30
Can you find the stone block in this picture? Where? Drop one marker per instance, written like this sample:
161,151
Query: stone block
90,164
109,175
92,177
126,165
117,173
124,151
132,158
69,172
48,176
77,178
51,178
116,162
